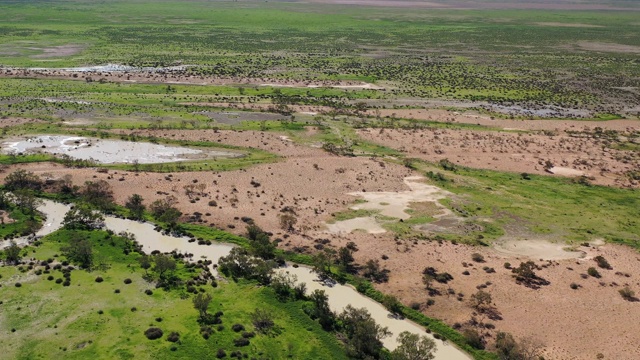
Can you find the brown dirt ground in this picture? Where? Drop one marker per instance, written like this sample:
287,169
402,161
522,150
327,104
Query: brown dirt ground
174,77
9,122
574,324
515,152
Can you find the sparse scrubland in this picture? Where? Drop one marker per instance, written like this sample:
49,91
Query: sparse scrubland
473,166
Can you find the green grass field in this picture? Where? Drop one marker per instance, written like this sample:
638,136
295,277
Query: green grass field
44,319
570,59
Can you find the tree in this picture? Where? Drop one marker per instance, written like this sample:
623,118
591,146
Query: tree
26,200
287,221
524,274
240,264
81,217
79,250
163,210
12,253
145,262
262,320
282,283
98,194
481,301
261,244
364,335
160,206
163,263
508,348
22,179
322,265
427,280
414,347
345,259
201,303
322,311
373,271
135,206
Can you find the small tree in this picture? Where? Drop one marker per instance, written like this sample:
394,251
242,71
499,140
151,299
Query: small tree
322,265
26,200
345,259
414,347
135,206
81,217
364,335
262,320
12,253
145,262
480,301
22,179
201,303
392,304
524,274
287,221
374,272
98,194
322,312
163,264
79,250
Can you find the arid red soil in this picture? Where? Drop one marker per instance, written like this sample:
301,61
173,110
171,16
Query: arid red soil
170,77
515,152
572,324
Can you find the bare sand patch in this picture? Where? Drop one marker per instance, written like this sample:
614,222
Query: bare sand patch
395,204
564,171
368,224
536,249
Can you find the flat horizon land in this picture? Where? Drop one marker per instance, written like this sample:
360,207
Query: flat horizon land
422,151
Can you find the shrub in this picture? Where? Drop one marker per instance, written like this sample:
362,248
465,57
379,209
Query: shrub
602,262
173,337
100,312
148,292
153,333
507,265
474,339
477,257
627,293
241,342
248,334
18,284
66,283
117,291
574,286
134,309
159,319
99,279
221,354
127,281
593,272
50,277
237,327
466,272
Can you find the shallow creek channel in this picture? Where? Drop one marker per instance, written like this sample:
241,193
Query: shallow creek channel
339,295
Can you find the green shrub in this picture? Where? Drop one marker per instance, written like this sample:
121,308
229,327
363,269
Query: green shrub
153,333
